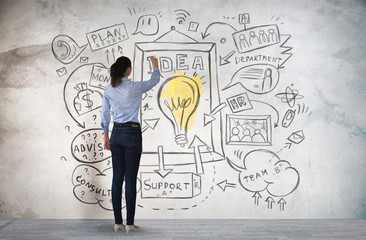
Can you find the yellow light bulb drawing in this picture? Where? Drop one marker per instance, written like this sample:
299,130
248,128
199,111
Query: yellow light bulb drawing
178,99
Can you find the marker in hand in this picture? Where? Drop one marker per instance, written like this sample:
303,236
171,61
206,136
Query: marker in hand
154,61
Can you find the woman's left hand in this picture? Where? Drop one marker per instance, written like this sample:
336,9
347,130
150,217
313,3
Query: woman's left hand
106,141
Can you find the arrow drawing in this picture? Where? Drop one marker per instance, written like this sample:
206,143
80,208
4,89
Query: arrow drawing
107,53
204,35
225,60
150,123
224,184
270,202
278,115
288,145
286,50
114,57
256,197
146,107
120,50
208,118
195,144
162,171
282,203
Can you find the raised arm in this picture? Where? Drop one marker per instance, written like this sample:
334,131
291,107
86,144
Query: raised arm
154,79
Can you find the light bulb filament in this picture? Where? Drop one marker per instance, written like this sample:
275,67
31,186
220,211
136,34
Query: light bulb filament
180,104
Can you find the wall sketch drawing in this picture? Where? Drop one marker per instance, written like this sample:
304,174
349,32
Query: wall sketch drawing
244,19
239,103
183,66
256,38
181,15
61,71
296,137
88,146
179,97
65,49
288,118
81,98
147,25
257,78
262,170
193,26
106,37
290,96
198,129
84,59
248,130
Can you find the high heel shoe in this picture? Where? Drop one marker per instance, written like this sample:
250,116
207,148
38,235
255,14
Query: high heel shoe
132,227
119,227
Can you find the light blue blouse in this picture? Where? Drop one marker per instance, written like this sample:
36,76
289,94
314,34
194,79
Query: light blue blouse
124,100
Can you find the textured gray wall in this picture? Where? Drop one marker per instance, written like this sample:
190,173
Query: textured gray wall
320,79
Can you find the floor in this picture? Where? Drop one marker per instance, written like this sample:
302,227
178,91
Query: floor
185,229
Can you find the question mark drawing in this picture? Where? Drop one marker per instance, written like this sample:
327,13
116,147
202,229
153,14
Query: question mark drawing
95,135
86,170
94,117
82,193
67,127
109,162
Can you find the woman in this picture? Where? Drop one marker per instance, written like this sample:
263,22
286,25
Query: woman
123,98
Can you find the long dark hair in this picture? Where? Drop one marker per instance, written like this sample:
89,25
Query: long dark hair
118,70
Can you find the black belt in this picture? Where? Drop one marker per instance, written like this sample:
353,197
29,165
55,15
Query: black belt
126,124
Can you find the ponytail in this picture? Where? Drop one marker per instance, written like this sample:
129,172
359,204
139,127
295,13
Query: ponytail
118,70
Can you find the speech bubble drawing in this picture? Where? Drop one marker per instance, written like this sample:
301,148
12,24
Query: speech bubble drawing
256,78
147,25
263,170
88,146
92,186
65,49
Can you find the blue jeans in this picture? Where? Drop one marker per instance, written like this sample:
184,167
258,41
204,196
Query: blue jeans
126,148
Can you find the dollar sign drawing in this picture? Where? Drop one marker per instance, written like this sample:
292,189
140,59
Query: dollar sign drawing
86,98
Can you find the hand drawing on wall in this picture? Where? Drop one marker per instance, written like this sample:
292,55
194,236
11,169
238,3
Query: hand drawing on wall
189,131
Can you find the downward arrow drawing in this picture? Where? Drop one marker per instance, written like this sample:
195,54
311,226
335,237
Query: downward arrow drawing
208,118
162,171
150,123
195,144
278,115
225,60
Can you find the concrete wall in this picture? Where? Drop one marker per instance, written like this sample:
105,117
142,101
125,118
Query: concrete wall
279,131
